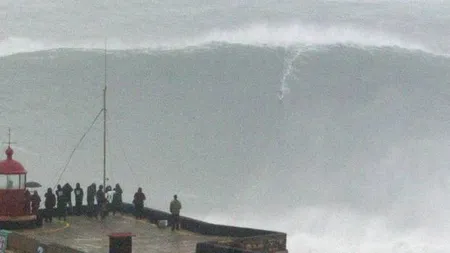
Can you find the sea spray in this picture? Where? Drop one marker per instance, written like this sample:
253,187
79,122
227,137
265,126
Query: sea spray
291,55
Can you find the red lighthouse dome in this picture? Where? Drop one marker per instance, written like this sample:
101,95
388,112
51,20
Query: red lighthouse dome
13,203
11,166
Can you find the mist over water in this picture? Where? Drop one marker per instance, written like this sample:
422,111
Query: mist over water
352,158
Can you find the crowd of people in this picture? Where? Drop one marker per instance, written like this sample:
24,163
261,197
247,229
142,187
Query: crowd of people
32,202
100,203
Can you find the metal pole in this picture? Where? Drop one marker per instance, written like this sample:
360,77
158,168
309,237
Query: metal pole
104,128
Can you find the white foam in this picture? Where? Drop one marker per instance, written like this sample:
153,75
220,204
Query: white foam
260,34
287,71
337,230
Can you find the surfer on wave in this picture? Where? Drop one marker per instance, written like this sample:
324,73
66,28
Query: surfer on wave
280,95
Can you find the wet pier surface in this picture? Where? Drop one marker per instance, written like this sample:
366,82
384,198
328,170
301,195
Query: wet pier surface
91,235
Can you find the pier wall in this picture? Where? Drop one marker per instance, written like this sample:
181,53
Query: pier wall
242,240
245,240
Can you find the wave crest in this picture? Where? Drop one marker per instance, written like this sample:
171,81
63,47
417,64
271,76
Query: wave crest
309,36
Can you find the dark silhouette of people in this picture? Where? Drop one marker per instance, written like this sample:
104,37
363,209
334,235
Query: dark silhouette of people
138,201
79,194
117,200
50,202
35,203
67,189
101,202
175,207
61,203
90,198
27,202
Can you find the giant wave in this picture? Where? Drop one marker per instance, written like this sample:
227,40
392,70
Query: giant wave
359,143
295,34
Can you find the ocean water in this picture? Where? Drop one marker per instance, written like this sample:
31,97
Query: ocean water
324,119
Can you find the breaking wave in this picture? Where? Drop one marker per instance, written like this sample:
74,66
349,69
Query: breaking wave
307,36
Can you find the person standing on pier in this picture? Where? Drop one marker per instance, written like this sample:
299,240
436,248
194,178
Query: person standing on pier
79,193
90,198
117,200
27,198
101,203
35,202
175,207
67,189
50,202
62,203
109,193
138,201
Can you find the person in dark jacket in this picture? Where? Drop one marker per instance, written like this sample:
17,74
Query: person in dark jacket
138,201
27,202
79,194
35,203
67,189
50,202
90,198
101,202
61,203
117,200
175,207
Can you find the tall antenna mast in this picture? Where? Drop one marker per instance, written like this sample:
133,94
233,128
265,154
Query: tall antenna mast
9,138
104,127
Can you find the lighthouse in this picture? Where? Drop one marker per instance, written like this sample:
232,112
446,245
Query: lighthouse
13,177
